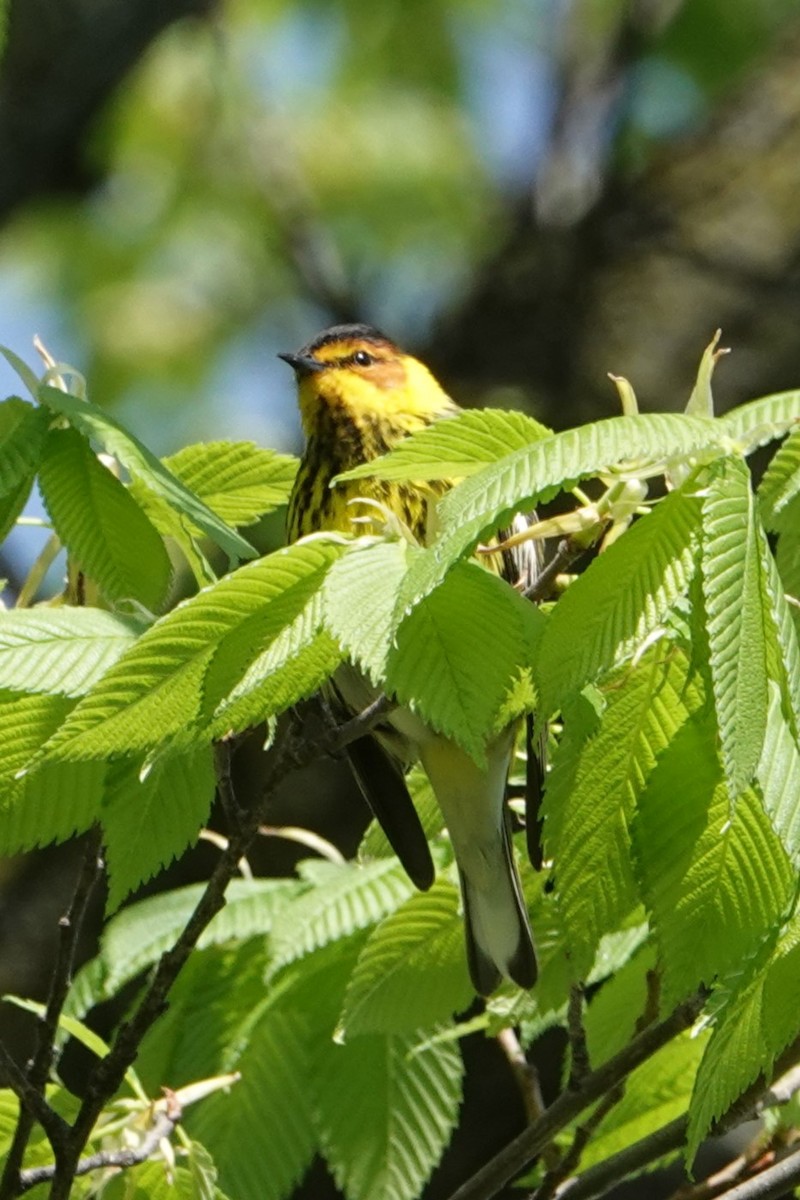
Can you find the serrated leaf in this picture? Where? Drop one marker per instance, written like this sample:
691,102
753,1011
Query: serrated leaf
782,634
345,897
588,810
239,481
272,1094
460,650
105,532
623,596
148,822
716,879
615,1011
155,691
455,447
142,464
23,427
778,776
787,561
386,1113
761,421
758,1020
138,936
486,501
780,485
360,600
12,504
733,592
411,974
63,650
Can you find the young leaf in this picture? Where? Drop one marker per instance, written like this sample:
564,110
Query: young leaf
50,803
155,691
778,775
412,972
485,502
781,485
460,650
386,1111
733,592
239,481
360,600
273,1094
22,433
621,598
758,1019
760,421
455,447
715,880
787,561
103,528
62,650
588,823
345,898
142,464
148,822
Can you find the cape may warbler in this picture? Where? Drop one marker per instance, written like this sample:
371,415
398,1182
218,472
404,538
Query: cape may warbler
359,396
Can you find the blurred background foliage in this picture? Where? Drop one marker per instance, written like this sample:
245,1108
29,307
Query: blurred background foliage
527,193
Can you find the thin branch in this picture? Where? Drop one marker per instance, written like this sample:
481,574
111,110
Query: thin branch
596,1180
580,1065
567,551
583,1135
39,1069
342,735
525,1074
162,1128
774,1182
516,1156
33,1103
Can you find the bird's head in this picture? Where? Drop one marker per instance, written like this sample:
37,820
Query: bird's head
358,371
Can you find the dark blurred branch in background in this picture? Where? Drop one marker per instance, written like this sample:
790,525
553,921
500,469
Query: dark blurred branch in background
62,63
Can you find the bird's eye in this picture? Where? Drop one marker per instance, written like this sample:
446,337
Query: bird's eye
362,359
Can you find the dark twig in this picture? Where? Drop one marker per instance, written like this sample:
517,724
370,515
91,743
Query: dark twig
567,551
501,1169
583,1135
290,751
777,1180
39,1068
33,1104
580,1065
163,1126
595,1181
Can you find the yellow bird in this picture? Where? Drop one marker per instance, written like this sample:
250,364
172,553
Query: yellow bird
359,396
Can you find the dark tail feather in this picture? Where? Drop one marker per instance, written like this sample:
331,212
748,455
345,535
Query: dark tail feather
384,788
521,967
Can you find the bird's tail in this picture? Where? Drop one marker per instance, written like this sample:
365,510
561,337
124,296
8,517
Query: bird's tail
472,799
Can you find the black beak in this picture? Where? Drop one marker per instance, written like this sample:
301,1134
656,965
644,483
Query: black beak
302,364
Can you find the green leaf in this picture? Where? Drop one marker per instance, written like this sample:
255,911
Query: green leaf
12,504
701,401
621,598
781,485
28,377
588,809
273,1094
614,1013
787,560
239,481
22,434
411,974
360,600
485,502
454,447
147,822
62,650
156,690
782,634
103,528
142,464
345,897
778,776
716,879
137,937
655,1093
734,600
459,652
386,1113
760,421
50,803
757,1020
